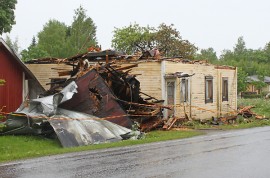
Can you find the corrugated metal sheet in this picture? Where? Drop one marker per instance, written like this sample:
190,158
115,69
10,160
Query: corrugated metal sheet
104,107
11,92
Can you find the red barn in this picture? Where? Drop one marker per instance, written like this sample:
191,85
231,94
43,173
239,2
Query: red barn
20,82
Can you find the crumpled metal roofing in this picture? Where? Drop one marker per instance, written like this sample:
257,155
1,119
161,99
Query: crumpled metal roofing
77,129
72,128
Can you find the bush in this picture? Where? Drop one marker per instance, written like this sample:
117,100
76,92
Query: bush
2,126
251,95
2,82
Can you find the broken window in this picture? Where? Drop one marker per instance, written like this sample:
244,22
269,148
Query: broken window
184,90
224,89
170,95
208,89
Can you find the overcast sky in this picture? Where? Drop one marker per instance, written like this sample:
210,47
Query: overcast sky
206,23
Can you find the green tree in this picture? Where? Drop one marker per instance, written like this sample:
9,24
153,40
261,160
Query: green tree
165,38
133,38
7,17
12,44
208,54
170,43
240,46
241,80
248,61
52,39
33,52
81,33
59,40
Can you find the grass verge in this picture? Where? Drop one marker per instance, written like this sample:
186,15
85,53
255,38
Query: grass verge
20,147
238,125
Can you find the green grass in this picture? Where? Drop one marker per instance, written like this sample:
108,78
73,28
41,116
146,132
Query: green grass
20,147
253,123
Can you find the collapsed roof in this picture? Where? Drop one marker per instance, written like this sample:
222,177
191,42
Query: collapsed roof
106,90
43,116
97,103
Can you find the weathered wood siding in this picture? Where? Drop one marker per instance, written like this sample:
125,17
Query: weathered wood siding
149,75
197,108
44,72
153,83
228,107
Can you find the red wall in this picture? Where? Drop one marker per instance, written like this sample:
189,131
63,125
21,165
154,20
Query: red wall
11,72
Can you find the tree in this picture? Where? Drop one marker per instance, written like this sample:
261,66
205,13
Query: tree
165,38
14,45
240,46
33,52
133,38
170,43
208,54
7,17
52,39
59,40
241,80
34,41
82,33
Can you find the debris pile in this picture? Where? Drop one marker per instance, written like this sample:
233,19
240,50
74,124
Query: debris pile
96,103
44,116
247,113
107,90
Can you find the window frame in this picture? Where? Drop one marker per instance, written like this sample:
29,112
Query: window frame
209,89
184,90
225,89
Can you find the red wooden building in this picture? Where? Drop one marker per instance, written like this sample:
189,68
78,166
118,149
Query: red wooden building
20,82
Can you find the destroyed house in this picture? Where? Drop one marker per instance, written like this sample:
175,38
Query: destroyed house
20,83
105,89
193,89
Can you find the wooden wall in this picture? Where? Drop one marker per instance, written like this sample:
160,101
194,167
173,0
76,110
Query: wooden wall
149,75
153,83
44,72
197,108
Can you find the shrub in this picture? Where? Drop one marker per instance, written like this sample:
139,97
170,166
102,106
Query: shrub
251,95
2,82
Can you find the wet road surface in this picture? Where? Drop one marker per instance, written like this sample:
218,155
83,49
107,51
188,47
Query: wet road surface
241,153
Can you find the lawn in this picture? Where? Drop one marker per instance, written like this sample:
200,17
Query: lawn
20,147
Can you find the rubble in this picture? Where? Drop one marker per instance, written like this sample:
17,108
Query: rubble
247,113
97,103
107,90
44,116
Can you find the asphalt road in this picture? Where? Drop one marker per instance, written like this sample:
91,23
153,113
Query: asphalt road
230,154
